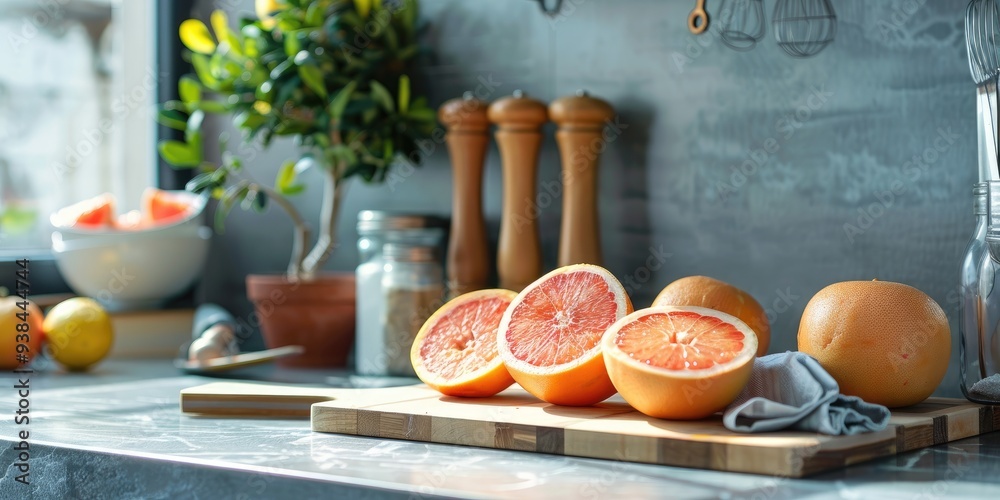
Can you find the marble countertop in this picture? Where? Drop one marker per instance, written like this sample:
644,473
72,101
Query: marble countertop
118,433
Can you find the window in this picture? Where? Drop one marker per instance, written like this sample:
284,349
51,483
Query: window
78,83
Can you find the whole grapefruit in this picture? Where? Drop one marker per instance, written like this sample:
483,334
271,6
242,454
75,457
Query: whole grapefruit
887,343
13,310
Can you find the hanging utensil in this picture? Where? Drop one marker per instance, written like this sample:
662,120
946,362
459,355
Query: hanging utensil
743,23
698,18
803,28
982,25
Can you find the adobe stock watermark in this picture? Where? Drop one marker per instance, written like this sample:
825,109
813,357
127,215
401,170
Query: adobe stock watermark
902,12
579,160
121,107
405,166
638,278
45,14
785,128
782,303
913,170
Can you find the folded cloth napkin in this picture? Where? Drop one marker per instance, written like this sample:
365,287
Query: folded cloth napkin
791,390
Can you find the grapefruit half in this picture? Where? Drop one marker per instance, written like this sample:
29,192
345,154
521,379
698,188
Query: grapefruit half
455,352
549,337
679,362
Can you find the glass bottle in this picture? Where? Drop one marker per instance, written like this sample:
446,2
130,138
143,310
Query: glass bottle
413,287
979,349
376,228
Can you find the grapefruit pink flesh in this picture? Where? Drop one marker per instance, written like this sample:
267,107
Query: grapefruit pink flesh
679,362
455,351
550,336
562,319
681,340
460,342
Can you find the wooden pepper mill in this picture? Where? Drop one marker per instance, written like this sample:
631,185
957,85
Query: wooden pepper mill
581,121
519,120
467,137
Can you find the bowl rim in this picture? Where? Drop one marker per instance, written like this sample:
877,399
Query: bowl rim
60,245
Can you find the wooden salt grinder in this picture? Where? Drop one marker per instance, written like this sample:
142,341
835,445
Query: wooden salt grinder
519,120
467,138
581,121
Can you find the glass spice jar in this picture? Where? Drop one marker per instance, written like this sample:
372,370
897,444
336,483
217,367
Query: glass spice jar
376,228
413,287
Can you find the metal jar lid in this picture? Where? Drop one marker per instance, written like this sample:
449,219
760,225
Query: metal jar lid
370,221
408,252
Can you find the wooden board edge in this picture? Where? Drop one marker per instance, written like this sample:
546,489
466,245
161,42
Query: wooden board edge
798,461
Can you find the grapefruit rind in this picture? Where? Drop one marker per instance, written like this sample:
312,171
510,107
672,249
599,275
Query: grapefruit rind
586,375
483,382
685,394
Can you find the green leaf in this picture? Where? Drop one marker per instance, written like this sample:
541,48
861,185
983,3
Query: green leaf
220,23
404,93
248,120
421,114
200,182
285,182
189,89
260,202
343,153
382,96
314,14
203,67
407,52
282,69
250,200
339,101
193,132
408,14
363,7
390,37
250,48
292,45
195,36
179,154
233,194
313,78
352,19
171,118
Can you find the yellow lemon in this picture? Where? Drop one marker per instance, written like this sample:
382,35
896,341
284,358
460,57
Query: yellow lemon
79,333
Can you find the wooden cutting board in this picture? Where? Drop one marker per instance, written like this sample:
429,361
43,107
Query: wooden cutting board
514,420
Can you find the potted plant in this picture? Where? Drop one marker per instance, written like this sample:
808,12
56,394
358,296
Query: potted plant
330,74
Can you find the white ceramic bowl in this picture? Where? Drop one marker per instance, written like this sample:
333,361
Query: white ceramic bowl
137,269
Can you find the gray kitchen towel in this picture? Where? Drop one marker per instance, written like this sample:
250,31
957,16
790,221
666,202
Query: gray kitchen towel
791,390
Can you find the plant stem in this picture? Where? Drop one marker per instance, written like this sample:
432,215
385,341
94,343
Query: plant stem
301,233
333,192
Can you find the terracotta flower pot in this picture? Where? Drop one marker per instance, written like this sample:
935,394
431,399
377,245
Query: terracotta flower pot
318,315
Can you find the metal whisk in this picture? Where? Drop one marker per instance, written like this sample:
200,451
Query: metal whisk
982,26
743,23
981,29
803,28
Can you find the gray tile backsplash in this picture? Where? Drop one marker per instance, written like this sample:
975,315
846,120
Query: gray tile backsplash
755,168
